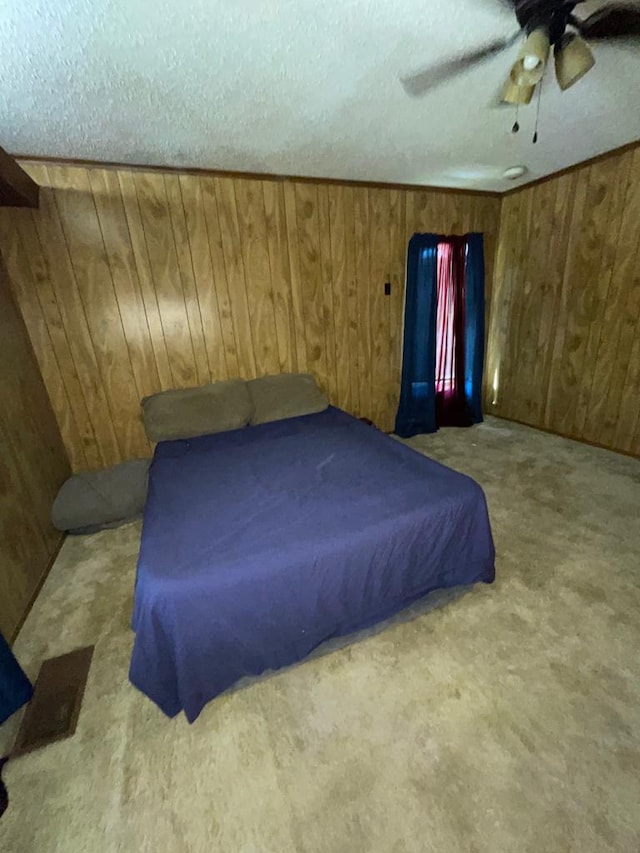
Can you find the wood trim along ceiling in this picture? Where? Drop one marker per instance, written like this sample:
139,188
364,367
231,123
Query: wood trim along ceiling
258,176
90,164
133,281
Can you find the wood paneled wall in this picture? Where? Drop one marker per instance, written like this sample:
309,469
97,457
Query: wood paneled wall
564,342
33,465
135,281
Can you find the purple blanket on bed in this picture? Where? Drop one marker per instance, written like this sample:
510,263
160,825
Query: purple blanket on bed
259,544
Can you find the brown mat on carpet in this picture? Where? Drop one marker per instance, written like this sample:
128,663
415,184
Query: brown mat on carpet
54,709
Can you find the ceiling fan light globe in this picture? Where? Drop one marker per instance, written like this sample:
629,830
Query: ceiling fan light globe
573,60
528,68
521,78
520,95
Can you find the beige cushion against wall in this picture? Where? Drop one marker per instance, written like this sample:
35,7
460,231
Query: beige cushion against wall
189,412
286,395
92,500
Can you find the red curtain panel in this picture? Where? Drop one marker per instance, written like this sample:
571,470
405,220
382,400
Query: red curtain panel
451,406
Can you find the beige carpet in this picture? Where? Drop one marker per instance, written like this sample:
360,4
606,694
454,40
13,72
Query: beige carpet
507,719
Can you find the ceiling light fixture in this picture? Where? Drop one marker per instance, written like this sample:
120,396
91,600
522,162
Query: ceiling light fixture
514,172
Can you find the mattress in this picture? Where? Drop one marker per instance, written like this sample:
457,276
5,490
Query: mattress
261,543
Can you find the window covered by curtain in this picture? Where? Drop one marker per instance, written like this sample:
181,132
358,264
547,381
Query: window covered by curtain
443,335
451,404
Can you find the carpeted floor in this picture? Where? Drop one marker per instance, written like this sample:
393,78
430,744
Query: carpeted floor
507,718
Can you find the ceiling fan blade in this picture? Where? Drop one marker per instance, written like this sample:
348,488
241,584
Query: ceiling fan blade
619,20
424,81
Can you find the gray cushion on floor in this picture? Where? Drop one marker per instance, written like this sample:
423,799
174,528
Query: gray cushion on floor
93,500
188,412
286,395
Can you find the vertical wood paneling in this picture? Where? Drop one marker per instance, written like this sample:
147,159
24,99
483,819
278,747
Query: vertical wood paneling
214,275
628,427
379,272
31,286
83,236
133,281
115,233
566,301
548,286
362,247
194,249
276,225
355,379
231,248
340,283
20,538
73,312
619,409
510,391
585,269
252,231
33,466
496,331
145,277
328,308
612,182
203,372
542,199
97,432
395,302
291,218
311,285
163,260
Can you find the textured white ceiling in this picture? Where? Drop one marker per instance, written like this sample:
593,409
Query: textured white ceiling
302,87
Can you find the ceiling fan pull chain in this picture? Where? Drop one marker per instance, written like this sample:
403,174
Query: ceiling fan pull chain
535,132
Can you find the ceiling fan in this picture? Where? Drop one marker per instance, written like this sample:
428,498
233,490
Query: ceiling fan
545,24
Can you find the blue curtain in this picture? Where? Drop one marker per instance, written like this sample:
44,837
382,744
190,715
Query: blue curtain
15,687
474,326
417,409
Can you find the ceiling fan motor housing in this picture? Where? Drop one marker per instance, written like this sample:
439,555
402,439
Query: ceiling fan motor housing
545,24
548,15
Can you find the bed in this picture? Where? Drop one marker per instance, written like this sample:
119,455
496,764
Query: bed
261,543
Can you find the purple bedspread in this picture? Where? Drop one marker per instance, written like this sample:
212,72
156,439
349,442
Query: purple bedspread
261,543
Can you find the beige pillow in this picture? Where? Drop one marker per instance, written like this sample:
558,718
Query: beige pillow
91,500
189,412
286,395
